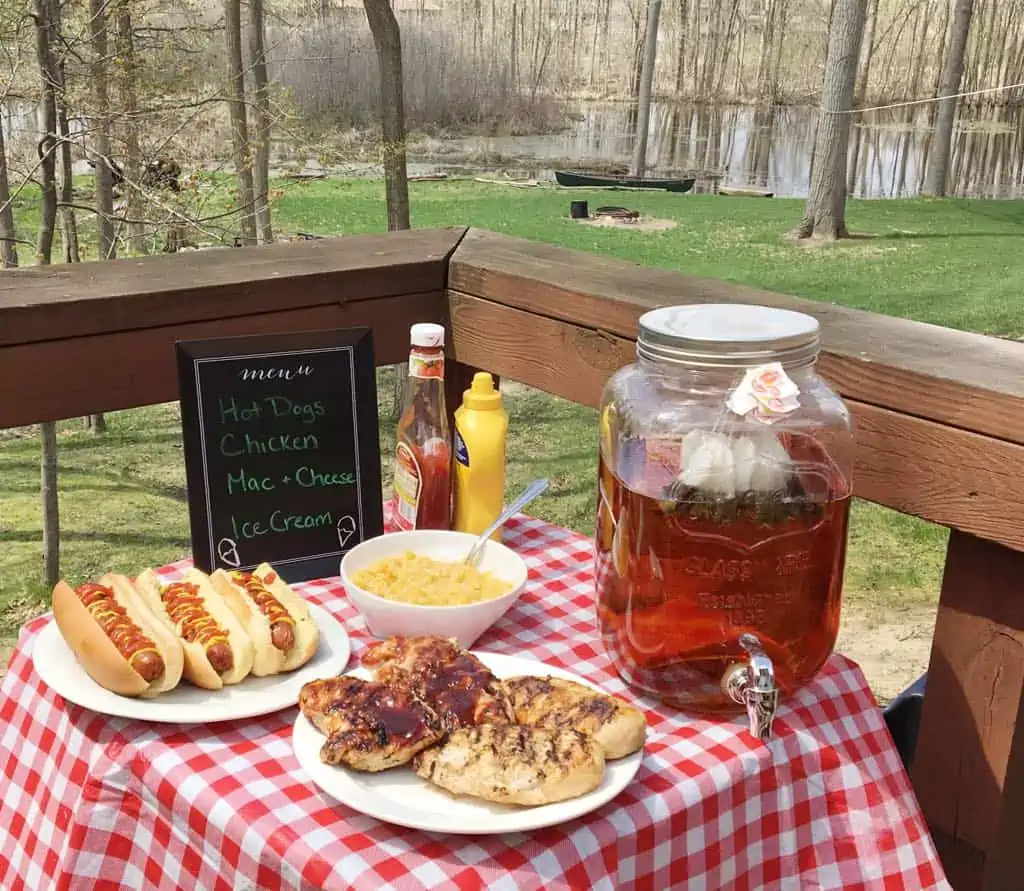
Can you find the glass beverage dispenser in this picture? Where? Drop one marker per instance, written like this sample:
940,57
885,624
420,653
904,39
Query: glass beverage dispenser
723,499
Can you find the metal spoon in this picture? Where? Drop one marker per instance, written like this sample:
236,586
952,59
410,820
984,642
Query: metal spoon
535,488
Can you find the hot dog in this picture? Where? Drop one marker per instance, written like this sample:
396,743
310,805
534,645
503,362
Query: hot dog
218,651
116,638
275,617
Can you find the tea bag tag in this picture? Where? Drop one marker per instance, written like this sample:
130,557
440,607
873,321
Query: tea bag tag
766,394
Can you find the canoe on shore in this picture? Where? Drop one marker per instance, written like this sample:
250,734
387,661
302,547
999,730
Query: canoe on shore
595,180
744,192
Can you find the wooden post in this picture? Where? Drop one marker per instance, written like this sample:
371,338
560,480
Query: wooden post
1003,868
969,766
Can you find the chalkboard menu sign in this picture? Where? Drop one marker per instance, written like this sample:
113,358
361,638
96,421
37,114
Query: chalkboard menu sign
281,450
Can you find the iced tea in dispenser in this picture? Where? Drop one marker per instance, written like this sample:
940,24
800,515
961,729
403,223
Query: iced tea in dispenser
723,501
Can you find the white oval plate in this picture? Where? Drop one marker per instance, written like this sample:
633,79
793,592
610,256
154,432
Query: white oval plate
185,704
399,796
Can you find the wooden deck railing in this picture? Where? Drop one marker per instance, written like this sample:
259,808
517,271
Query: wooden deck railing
939,422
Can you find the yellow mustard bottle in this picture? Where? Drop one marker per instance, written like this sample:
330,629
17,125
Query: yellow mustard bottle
481,429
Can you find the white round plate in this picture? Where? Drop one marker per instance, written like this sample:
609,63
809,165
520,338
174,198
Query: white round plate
185,704
399,796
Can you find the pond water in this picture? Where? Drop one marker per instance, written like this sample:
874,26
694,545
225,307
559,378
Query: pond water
762,147
770,147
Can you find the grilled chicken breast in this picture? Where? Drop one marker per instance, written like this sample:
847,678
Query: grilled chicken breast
514,765
369,726
453,682
555,704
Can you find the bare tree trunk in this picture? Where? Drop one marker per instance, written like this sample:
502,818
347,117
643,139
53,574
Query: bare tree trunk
388,40
741,48
68,224
949,85
129,103
918,60
681,49
1006,47
66,195
239,126
825,215
867,51
696,41
50,503
8,234
937,78
538,30
104,172
101,120
542,60
593,44
261,127
47,148
478,31
709,42
646,80
765,88
66,213
44,18
780,10
987,13
731,26
636,69
514,51
606,17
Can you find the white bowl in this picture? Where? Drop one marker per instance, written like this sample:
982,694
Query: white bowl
386,618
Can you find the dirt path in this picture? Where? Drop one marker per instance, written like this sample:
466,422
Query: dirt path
892,653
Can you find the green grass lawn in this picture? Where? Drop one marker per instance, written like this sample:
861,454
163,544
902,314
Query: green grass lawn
952,263
956,263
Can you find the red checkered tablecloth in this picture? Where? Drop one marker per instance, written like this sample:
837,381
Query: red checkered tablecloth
96,802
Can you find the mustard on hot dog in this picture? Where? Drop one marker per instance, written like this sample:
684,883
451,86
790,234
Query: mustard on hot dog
116,638
217,648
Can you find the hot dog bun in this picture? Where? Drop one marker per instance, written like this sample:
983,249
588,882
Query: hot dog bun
300,633
83,630
191,624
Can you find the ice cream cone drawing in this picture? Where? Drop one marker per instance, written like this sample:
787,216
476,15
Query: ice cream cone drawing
227,550
346,529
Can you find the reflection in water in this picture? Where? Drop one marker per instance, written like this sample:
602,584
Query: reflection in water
770,147
761,146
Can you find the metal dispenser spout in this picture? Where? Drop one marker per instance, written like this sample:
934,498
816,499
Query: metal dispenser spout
752,684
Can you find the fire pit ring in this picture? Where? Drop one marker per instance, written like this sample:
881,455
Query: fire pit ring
618,213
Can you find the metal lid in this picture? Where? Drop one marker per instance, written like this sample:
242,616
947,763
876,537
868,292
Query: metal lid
727,335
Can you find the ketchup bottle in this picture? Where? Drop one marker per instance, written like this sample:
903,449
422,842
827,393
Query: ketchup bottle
422,486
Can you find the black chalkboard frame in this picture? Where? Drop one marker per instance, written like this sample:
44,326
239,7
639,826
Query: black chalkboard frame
357,343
